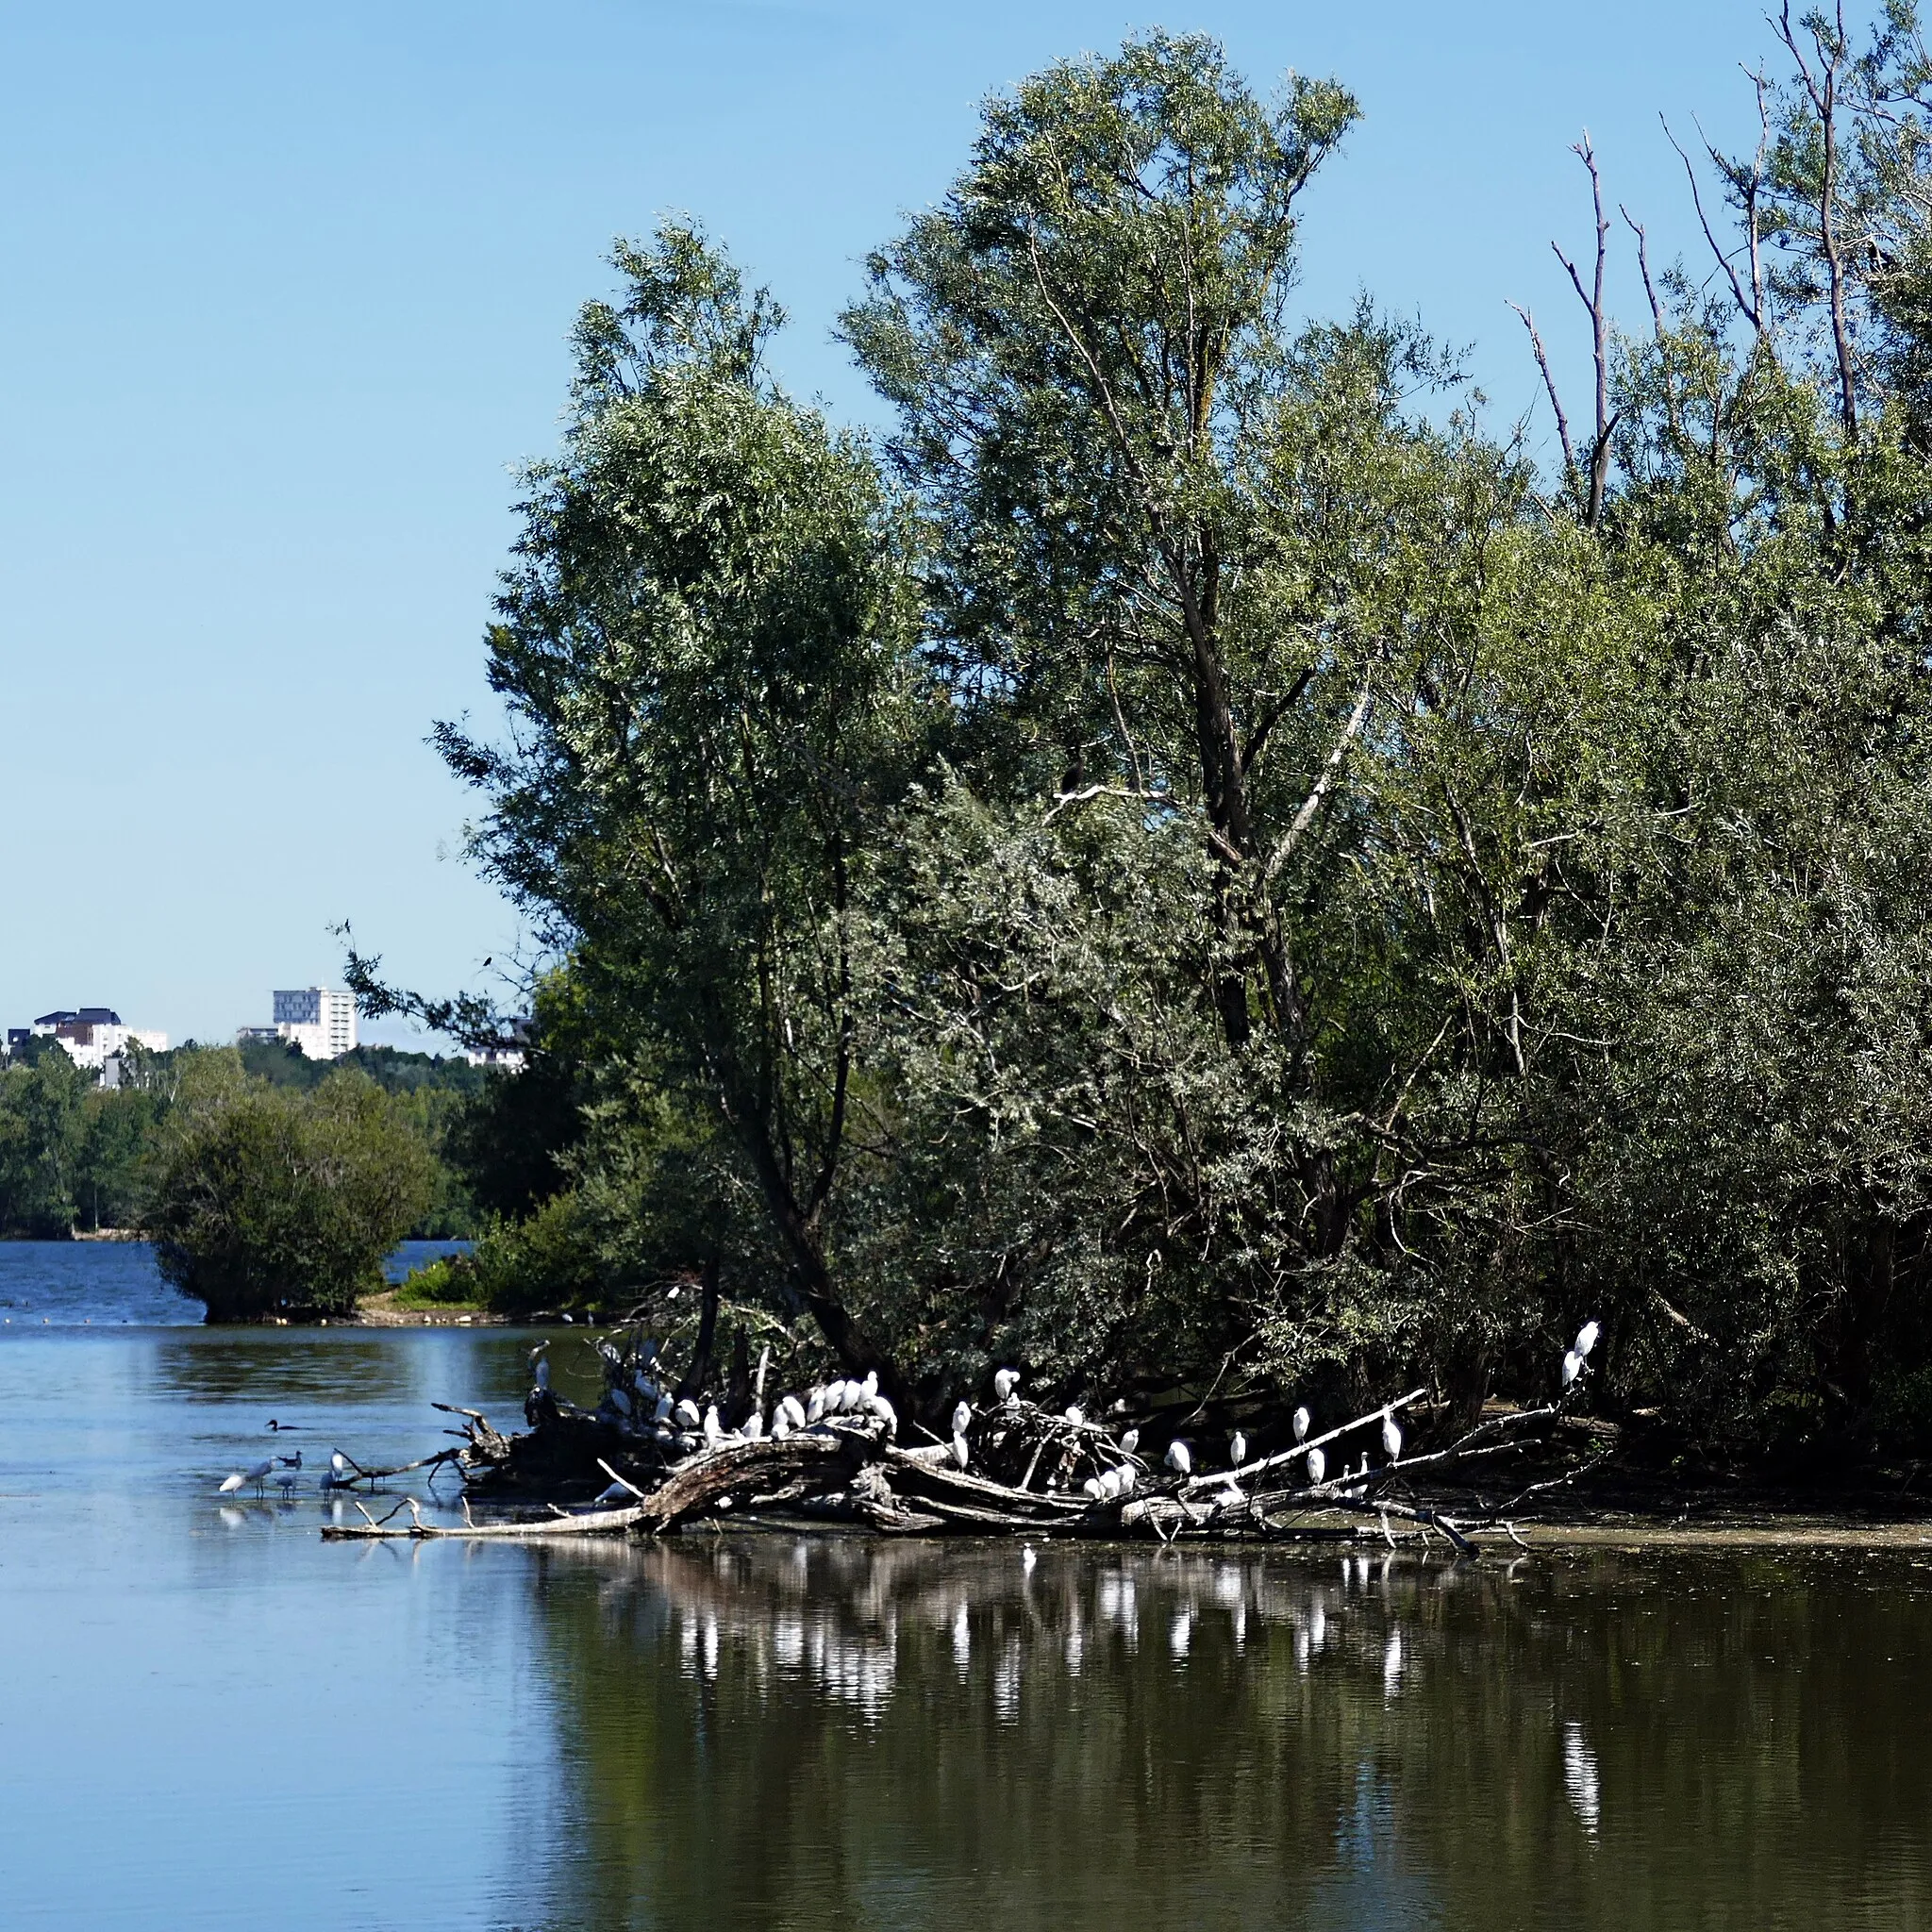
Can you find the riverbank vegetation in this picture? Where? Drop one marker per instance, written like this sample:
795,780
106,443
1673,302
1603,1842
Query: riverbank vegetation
77,1158
1196,861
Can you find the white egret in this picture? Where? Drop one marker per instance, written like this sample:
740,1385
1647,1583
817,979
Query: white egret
1130,1441
1076,1417
794,1412
257,1473
782,1424
1391,1436
1128,1477
1302,1420
1093,1490
814,1405
1238,1449
1573,1366
664,1408
962,1417
871,1384
1318,1465
962,1454
1180,1458
1004,1382
886,1413
687,1412
714,1430
753,1427
1586,1337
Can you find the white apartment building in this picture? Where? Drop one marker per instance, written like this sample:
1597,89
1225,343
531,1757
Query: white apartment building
92,1036
318,1020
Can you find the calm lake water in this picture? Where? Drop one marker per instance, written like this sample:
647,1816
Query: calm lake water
211,1718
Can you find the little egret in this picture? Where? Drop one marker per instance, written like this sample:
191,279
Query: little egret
1127,1479
1302,1420
665,1407
1318,1465
753,1427
871,1386
1238,1449
962,1417
686,1413
962,1455
1586,1337
1004,1382
782,1424
257,1473
1130,1441
1075,1416
1391,1436
1179,1456
1573,1366
794,1412
815,1404
714,1430
1093,1489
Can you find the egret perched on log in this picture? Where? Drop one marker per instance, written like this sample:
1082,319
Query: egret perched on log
714,1430
753,1427
871,1385
794,1412
962,1417
1093,1489
1180,1458
781,1422
1004,1382
1573,1366
1586,1337
1318,1465
665,1407
1302,1419
1391,1436
1130,1441
814,1405
1238,1449
1075,1416
962,1455
687,1412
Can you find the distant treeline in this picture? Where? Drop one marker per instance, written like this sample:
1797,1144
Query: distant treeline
76,1157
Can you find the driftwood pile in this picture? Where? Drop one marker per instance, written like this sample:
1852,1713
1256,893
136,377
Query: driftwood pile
835,1455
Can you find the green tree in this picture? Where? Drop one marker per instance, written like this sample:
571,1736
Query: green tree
270,1200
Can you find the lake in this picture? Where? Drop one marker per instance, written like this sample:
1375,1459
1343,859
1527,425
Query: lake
212,1718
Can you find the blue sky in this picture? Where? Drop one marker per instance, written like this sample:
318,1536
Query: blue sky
284,295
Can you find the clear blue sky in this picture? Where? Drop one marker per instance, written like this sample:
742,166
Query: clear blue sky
284,292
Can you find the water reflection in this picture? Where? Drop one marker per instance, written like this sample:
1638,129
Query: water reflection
778,1729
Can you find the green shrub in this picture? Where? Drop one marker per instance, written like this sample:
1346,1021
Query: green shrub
274,1201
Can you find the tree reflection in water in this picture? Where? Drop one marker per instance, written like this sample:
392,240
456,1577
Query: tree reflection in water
776,1731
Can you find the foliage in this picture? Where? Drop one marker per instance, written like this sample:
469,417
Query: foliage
270,1200
1194,865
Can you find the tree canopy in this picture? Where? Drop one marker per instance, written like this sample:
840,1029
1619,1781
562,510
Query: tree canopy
1193,860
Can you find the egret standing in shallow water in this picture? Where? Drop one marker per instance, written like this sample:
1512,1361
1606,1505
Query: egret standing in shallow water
257,1473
